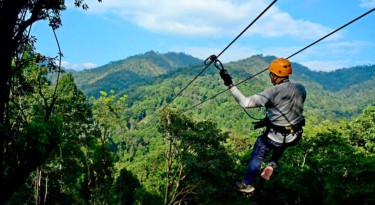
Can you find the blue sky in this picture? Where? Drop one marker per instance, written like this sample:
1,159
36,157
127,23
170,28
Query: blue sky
116,29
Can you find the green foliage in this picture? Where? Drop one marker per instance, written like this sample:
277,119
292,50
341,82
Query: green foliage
343,78
44,134
33,130
198,165
362,130
145,97
133,71
325,168
73,172
113,150
125,186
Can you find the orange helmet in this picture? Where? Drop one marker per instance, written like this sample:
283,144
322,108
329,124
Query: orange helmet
281,67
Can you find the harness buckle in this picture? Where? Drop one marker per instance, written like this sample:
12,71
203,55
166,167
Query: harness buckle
290,128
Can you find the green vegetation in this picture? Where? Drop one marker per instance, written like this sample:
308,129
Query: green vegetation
118,148
133,71
101,136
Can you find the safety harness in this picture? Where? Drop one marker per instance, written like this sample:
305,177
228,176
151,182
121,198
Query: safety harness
283,130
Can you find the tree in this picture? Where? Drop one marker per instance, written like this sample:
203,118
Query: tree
66,173
362,130
324,168
198,167
33,131
107,110
16,19
125,187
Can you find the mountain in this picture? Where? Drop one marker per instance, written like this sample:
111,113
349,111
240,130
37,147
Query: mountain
135,70
152,80
342,78
141,148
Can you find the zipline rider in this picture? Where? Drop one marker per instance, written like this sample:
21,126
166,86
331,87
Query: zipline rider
284,104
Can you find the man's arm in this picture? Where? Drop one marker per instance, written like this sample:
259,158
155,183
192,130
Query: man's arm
257,100
245,102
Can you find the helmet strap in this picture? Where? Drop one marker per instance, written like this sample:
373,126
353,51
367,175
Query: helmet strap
277,79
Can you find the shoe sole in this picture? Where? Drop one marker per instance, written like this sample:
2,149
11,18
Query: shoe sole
267,173
246,191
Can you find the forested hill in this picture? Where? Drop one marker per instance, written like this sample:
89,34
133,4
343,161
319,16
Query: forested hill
152,79
138,69
342,79
118,75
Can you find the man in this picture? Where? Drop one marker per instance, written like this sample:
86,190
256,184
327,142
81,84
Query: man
284,104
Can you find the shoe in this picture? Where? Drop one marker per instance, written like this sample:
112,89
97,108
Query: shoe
245,188
267,172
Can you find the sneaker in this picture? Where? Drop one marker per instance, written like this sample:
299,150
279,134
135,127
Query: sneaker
267,172
245,188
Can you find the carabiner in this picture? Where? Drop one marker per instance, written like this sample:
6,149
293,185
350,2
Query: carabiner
210,59
213,59
219,65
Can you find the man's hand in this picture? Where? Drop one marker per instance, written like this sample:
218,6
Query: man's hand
226,77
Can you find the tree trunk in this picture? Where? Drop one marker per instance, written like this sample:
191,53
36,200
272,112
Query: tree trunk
21,172
37,181
8,18
11,34
45,191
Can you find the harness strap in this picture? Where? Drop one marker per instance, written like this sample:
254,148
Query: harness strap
284,130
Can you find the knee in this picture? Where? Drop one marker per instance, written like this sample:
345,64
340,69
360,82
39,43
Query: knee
259,152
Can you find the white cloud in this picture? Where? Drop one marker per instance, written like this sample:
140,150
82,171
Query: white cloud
236,52
339,49
239,53
346,47
325,65
331,49
77,67
369,4
283,52
325,49
335,51
277,23
208,18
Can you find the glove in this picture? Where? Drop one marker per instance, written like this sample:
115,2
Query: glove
226,77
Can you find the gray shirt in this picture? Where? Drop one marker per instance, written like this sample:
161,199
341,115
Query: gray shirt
284,102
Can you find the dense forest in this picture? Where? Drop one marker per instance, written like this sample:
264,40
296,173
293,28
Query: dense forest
116,147
107,136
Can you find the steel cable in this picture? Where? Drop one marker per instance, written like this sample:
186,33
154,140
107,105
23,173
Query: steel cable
306,47
208,64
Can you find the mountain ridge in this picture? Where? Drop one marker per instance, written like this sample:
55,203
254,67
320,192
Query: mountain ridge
343,92
133,70
143,67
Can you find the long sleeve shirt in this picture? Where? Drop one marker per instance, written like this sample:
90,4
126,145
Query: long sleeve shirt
284,104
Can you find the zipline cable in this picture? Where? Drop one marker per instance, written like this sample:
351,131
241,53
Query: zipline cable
264,11
211,61
315,42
